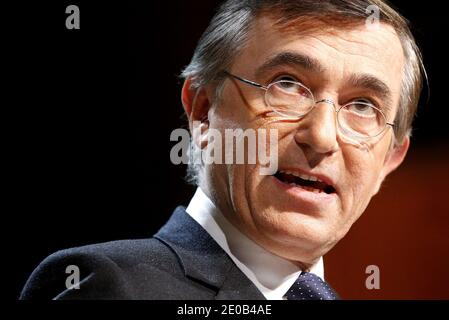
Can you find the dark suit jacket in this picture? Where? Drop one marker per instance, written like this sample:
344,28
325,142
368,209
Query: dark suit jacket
180,262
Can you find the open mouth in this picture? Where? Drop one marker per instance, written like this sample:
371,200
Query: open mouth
309,183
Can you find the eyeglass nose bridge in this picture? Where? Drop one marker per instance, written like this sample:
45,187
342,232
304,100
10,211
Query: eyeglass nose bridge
328,101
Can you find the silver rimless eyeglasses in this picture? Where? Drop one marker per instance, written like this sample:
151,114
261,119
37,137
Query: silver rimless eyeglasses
290,99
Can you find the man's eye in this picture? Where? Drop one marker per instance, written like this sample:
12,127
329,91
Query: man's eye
287,83
362,107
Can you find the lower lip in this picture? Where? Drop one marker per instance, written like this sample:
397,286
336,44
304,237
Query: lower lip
316,199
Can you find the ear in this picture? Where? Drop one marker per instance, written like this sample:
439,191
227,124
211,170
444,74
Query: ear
394,158
196,103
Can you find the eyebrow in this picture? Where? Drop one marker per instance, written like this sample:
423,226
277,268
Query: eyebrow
291,58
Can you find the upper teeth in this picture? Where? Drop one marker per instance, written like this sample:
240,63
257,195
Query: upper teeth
302,176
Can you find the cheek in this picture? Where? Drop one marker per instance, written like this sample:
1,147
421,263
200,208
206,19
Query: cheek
242,199
363,174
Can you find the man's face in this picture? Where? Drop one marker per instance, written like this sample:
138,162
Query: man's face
288,220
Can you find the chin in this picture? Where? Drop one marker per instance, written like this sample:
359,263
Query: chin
301,238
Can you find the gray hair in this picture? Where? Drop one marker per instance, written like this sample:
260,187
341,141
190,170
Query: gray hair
228,33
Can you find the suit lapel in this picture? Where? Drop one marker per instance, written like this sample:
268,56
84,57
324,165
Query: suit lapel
203,259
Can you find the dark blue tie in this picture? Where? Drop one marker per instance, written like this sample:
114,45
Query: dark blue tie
310,287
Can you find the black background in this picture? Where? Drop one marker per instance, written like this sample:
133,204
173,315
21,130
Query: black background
87,117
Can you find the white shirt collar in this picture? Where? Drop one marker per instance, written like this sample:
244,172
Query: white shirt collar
271,274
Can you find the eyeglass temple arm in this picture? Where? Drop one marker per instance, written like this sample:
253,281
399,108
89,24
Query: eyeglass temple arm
245,80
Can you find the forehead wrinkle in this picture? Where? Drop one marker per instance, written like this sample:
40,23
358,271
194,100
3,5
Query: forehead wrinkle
362,36
341,49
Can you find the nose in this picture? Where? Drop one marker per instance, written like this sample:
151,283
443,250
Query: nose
317,131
